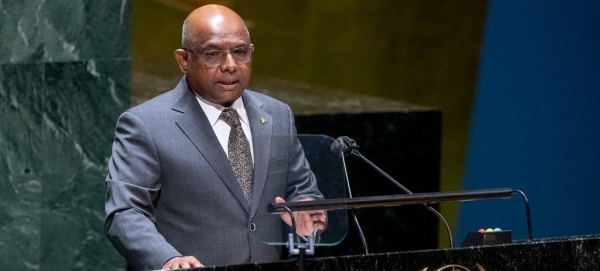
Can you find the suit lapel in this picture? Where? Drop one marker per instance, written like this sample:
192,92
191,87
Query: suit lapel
261,125
194,123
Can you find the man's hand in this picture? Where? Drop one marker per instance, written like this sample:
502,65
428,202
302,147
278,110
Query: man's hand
182,263
306,221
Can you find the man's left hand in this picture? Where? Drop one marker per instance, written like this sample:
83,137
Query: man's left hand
306,221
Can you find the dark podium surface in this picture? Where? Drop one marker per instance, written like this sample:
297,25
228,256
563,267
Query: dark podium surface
567,253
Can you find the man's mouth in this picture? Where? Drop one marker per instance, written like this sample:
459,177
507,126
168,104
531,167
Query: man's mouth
228,84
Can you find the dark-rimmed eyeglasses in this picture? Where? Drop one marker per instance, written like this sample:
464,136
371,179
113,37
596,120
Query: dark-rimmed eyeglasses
215,58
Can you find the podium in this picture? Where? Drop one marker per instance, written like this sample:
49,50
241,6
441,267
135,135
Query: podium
567,253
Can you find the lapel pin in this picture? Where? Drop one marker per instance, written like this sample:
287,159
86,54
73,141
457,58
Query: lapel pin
263,120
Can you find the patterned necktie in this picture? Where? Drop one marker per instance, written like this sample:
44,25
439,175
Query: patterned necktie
239,154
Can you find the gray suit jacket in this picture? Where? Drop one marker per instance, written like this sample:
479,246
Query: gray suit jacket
172,192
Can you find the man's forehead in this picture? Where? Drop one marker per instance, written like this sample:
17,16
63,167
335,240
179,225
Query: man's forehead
218,22
215,21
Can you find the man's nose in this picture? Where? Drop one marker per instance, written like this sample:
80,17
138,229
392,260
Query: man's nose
229,65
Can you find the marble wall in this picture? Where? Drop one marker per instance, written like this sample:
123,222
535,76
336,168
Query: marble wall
64,79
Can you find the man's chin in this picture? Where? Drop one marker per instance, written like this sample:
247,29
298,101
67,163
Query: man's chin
229,97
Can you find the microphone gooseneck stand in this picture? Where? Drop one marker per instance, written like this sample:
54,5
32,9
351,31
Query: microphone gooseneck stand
360,232
431,209
344,146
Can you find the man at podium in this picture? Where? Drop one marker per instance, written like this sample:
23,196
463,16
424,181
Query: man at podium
192,170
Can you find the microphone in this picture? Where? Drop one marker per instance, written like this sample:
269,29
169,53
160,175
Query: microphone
344,146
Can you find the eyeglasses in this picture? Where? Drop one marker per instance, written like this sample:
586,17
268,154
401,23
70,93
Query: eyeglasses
215,58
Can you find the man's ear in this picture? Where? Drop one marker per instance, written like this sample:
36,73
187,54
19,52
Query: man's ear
182,59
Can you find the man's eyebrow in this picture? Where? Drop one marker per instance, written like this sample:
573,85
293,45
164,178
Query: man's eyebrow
213,46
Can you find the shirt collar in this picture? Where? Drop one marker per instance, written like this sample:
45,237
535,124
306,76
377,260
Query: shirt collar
213,110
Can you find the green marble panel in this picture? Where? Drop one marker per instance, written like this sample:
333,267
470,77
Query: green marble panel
63,30
57,128
64,80
20,221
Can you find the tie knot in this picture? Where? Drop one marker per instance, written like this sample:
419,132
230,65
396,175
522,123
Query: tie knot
230,116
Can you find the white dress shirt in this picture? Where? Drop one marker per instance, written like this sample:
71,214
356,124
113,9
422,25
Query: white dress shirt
221,128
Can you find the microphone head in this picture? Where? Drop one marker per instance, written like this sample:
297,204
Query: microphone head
343,145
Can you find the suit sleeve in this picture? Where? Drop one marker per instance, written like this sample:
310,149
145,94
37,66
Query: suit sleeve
301,180
133,189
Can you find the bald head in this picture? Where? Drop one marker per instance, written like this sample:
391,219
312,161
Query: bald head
216,57
206,19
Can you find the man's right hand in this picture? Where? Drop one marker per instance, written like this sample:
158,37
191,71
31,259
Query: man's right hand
182,263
